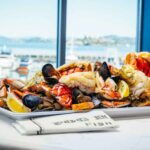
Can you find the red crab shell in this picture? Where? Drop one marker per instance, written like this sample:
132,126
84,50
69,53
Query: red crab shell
63,94
143,66
138,62
72,70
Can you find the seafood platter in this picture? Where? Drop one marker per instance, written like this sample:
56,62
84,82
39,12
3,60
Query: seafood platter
80,86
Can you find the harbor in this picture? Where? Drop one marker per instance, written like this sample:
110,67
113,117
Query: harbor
24,64
20,58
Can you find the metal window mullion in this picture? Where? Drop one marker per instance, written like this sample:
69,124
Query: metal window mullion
61,32
139,25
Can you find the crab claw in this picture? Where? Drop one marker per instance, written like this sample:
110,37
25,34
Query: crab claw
115,104
3,90
17,84
41,88
110,95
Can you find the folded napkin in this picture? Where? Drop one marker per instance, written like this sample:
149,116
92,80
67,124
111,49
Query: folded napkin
77,122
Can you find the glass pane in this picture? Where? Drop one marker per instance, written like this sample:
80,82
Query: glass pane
27,36
101,30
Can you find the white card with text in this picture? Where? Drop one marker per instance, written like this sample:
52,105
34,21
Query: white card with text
77,122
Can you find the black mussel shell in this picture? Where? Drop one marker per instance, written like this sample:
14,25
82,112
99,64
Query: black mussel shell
31,101
116,79
104,71
76,92
51,80
48,70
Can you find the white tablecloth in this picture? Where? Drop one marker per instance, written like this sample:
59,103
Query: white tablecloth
133,134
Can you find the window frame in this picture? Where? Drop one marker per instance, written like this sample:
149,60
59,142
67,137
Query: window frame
139,25
61,29
61,32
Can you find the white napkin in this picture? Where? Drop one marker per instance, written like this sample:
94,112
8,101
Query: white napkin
77,122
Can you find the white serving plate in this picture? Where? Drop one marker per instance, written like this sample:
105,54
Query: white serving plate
112,112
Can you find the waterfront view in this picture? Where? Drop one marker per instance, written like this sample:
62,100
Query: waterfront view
104,31
25,56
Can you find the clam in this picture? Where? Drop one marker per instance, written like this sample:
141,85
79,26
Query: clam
104,71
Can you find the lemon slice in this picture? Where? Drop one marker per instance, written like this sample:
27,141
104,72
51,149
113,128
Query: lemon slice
123,89
15,105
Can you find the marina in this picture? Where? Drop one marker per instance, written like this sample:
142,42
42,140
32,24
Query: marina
23,62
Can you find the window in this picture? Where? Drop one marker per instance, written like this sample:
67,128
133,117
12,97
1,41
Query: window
27,36
101,30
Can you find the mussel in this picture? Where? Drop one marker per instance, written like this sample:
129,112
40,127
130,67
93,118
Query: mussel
76,92
51,80
50,74
48,71
116,79
79,97
104,71
31,101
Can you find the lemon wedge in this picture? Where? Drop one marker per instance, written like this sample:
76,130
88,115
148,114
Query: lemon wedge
123,89
15,105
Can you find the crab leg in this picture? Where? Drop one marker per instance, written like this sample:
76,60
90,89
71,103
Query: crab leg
115,104
3,90
18,84
42,87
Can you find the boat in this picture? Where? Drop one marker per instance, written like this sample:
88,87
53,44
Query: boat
112,56
71,56
24,66
6,61
6,58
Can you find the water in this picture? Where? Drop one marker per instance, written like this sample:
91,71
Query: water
100,50
87,51
46,47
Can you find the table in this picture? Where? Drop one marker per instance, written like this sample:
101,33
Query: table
133,134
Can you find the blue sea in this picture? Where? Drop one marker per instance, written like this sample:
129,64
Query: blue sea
80,50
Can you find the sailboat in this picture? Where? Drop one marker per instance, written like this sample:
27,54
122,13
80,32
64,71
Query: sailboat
6,58
112,56
6,61
71,56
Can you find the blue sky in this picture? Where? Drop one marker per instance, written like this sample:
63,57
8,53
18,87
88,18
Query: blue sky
24,18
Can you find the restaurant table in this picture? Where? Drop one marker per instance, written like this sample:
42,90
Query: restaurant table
133,134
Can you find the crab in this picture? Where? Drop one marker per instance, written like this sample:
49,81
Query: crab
139,61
